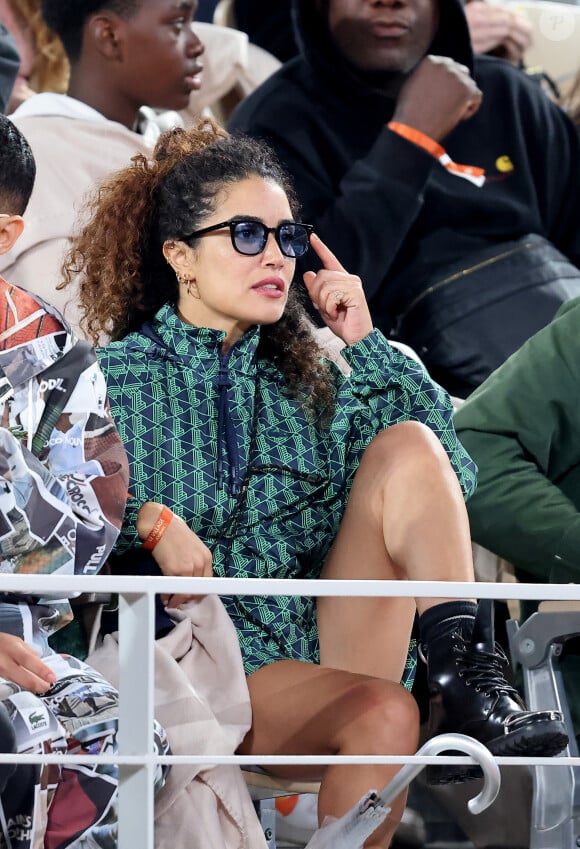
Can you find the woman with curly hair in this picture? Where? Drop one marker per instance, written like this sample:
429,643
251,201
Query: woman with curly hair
252,456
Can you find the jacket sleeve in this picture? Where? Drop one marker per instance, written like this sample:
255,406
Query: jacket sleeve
368,215
395,388
62,497
522,427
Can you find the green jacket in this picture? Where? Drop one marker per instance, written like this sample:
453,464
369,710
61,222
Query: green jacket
217,439
522,428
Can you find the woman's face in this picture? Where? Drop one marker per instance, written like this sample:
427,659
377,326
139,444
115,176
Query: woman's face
228,290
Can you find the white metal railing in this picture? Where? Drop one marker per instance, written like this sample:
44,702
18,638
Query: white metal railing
136,758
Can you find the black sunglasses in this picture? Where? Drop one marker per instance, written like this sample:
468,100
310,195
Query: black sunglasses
249,237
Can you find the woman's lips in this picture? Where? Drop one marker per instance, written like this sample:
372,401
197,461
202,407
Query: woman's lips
272,287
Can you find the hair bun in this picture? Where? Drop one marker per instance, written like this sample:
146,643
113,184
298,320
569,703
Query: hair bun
177,143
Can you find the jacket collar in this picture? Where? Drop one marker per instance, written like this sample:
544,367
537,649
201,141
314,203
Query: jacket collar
50,104
172,338
46,104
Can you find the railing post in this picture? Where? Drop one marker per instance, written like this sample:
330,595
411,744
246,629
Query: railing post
136,705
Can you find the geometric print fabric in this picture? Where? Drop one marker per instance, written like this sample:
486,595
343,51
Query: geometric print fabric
190,419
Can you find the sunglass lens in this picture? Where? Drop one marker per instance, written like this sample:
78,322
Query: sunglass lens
293,240
249,237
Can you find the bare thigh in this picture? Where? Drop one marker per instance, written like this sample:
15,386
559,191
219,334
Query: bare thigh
306,709
300,708
365,635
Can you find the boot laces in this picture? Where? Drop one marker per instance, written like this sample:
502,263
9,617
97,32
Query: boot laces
483,670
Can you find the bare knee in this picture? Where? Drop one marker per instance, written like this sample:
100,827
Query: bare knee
404,458
410,442
386,720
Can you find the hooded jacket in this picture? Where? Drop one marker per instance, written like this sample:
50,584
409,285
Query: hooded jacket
522,426
75,149
63,471
217,439
386,207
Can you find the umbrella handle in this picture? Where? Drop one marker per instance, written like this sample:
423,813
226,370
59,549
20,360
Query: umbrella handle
445,743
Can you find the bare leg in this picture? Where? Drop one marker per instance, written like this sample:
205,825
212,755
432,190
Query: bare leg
301,708
405,519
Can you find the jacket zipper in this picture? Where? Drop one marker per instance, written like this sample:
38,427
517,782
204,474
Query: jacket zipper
227,446
445,282
233,522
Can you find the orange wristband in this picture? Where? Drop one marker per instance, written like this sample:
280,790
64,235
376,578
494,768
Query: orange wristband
158,529
417,137
472,173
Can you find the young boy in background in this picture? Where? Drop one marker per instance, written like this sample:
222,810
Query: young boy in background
63,486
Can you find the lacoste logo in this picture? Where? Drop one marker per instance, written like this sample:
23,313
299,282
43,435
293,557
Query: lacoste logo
37,720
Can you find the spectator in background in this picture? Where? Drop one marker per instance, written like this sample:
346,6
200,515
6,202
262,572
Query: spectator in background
498,29
493,28
43,66
9,65
428,173
123,54
63,485
522,427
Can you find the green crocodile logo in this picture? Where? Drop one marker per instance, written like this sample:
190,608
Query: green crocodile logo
37,720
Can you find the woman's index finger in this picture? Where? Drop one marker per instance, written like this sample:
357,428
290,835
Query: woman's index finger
328,259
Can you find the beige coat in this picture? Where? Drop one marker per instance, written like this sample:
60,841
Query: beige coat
233,68
202,700
75,148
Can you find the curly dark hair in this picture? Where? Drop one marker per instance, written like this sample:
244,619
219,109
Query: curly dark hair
67,18
117,256
17,169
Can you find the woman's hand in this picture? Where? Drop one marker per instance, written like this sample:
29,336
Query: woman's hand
338,296
179,552
20,664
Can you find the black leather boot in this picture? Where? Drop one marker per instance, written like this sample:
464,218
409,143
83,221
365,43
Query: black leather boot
469,694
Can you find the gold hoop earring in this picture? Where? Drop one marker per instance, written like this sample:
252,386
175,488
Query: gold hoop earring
190,285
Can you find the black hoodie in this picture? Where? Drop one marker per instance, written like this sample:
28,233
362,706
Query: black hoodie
388,209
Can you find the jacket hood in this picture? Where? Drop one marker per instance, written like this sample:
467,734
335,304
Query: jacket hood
312,34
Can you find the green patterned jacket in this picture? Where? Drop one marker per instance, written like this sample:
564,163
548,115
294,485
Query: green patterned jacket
218,441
